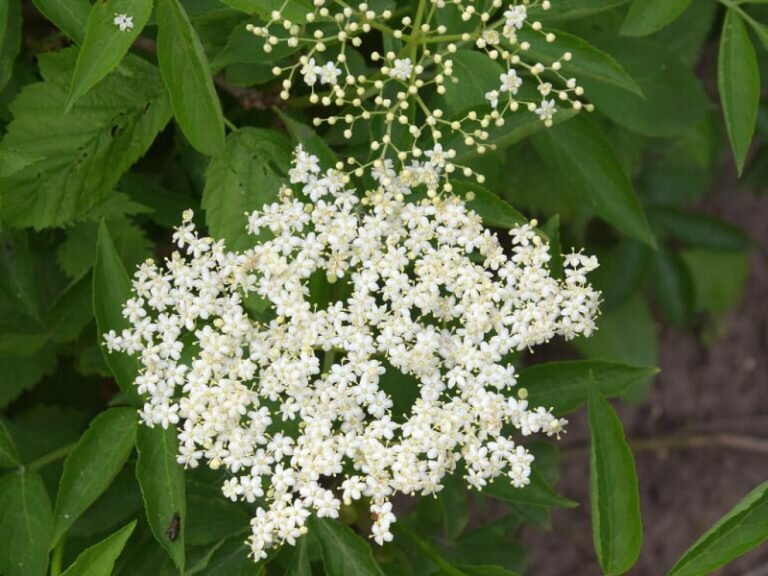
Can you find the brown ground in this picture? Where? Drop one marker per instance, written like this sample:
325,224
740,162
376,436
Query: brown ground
718,388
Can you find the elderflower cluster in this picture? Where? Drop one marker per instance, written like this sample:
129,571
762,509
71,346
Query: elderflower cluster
296,401
410,88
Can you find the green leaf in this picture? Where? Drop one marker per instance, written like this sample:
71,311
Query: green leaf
92,465
18,275
490,544
162,485
673,287
211,518
232,559
70,16
167,206
19,373
617,528
105,44
425,548
564,386
299,563
718,278
119,504
10,38
187,76
516,128
743,528
474,74
25,525
308,138
344,552
72,310
622,272
687,35
627,334
42,428
245,177
76,159
111,289
738,80
587,62
494,210
648,16
9,455
673,102
99,559
142,556
538,492
453,502
760,29
699,230
580,152
12,161
552,229
76,255
21,344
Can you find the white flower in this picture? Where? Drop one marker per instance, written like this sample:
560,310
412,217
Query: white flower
303,167
510,82
493,98
546,110
329,74
309,72
431,294
123,22
515,17
401,69
488,38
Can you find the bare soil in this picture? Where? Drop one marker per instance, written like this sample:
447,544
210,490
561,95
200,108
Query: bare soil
716,391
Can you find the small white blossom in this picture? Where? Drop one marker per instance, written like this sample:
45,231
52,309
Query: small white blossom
515,17
309,72
493,98
510,82
123,22
546,111
401,69
329,74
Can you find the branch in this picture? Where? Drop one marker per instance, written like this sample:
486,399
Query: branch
249,98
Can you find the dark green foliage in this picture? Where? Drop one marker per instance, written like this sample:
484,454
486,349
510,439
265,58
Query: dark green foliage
93,176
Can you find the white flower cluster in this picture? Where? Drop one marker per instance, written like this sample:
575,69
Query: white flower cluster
417,65
298,403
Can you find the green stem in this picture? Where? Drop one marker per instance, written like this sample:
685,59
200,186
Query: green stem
328,359
56,557
46,459
229,124
383,28
730,4
415,39
446,38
